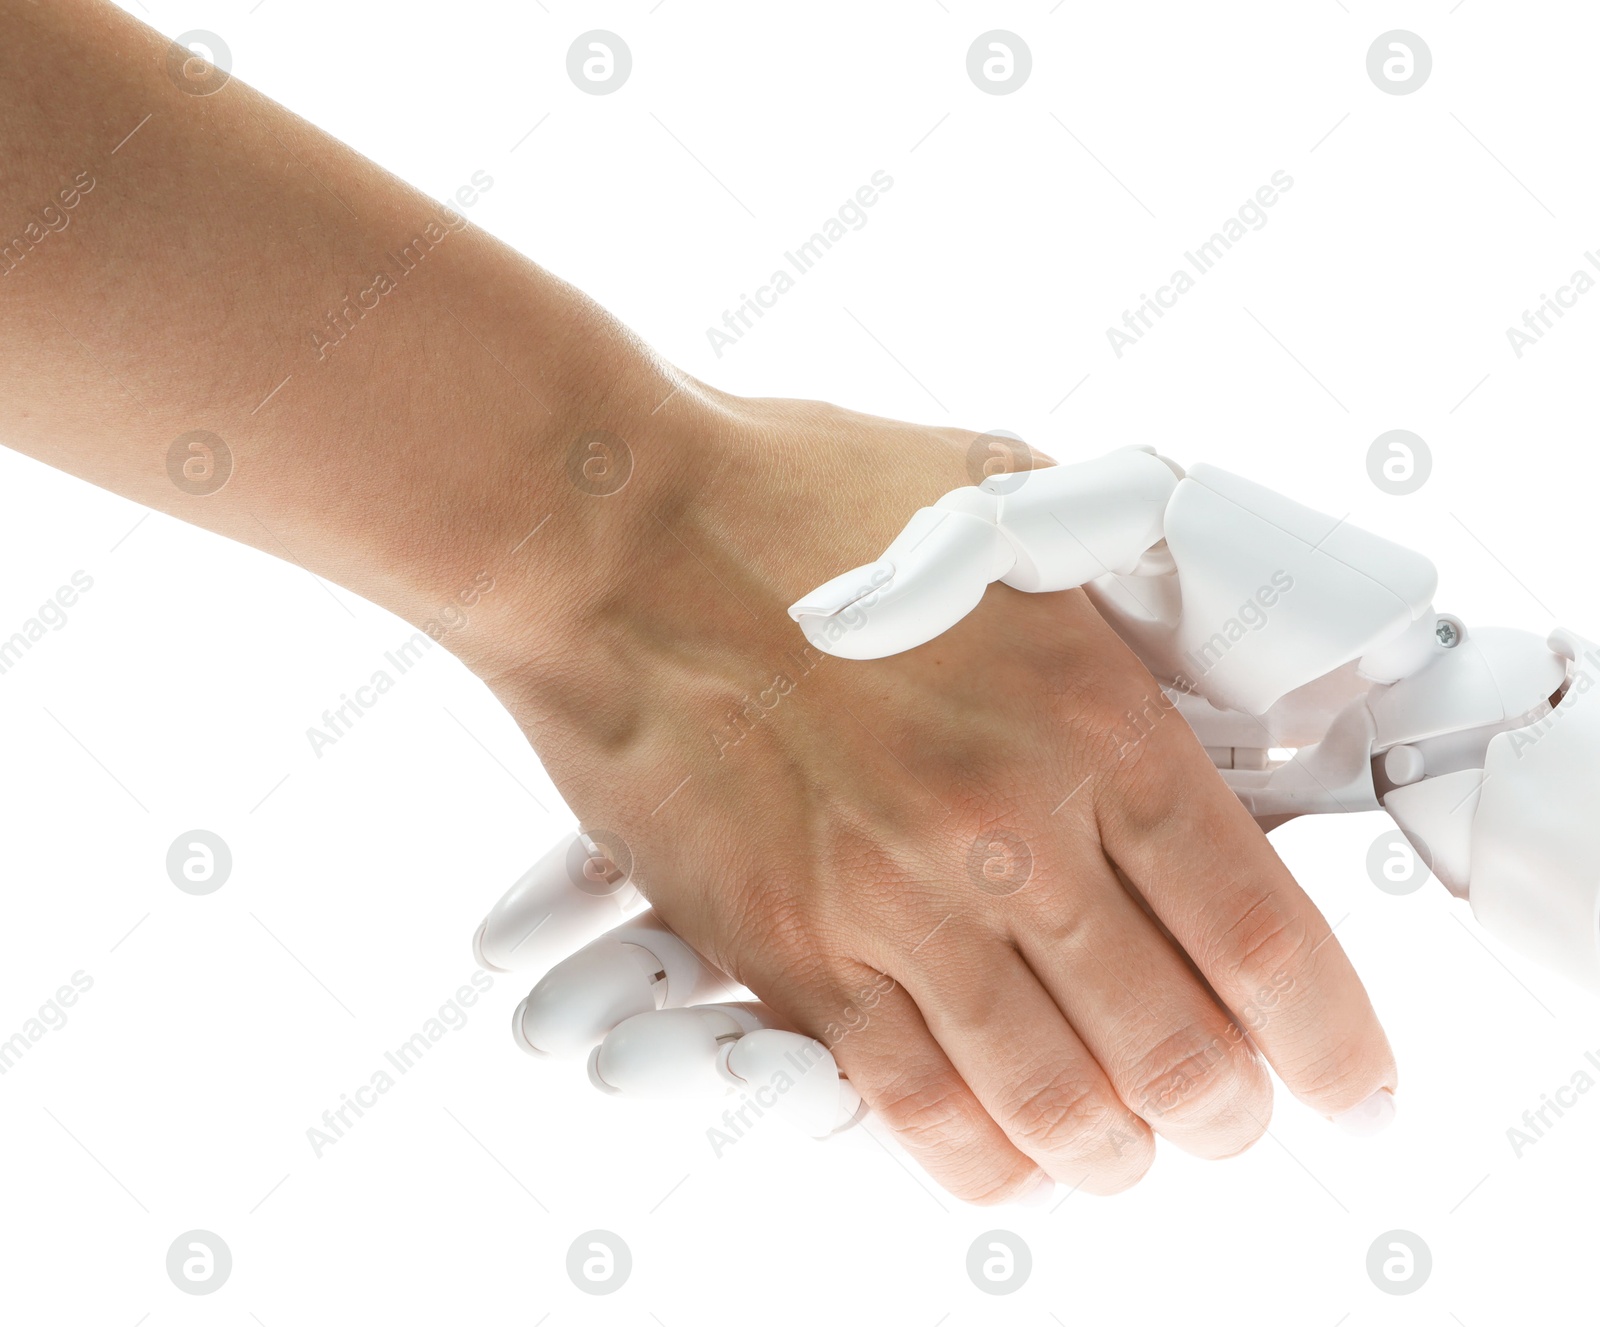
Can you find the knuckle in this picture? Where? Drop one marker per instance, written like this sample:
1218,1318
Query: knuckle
1063,1115
1194,1080
1148,796
931,1116
1267,939
1182,1076
1065,924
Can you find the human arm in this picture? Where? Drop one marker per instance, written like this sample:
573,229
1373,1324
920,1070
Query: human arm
1051,1025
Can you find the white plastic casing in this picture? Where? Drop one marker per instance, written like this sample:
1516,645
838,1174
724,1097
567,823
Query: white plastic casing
710,1050
558,904
1267,595
669,1052
927,580
1071,523
635,968
794,1076
1536,834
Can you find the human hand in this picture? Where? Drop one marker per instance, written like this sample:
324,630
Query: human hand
1032,924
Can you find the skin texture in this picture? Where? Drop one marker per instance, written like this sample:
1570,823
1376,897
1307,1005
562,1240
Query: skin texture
1035,932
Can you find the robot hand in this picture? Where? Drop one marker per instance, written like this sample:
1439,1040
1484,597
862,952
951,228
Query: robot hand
1305,653
1308,658
653,1017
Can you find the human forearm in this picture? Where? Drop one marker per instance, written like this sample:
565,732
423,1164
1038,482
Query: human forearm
398,392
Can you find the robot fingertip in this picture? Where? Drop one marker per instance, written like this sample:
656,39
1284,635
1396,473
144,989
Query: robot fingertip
519,1033
477,949
594,1075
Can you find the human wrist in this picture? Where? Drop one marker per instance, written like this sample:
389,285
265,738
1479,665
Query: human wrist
734,508
569,512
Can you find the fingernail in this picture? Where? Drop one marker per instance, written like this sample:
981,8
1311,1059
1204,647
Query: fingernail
1370,1116
1039,1195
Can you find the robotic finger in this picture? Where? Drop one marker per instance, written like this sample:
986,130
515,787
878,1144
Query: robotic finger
637,999
564,900
715,1050
638,967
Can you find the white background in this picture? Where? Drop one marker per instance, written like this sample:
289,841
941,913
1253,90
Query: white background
218,1029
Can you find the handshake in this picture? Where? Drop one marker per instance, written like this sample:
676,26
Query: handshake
1306,655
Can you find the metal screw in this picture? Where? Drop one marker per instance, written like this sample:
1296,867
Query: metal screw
1447,634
